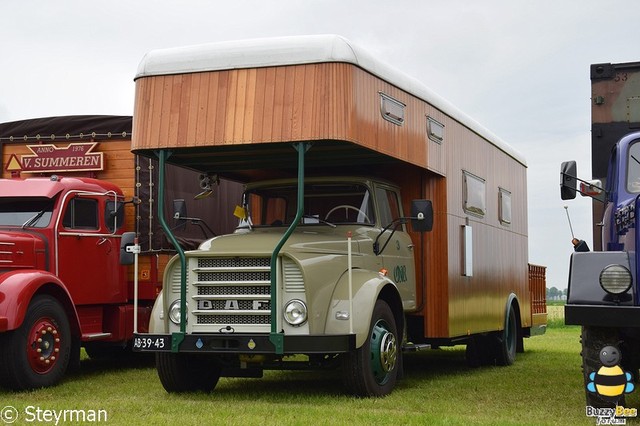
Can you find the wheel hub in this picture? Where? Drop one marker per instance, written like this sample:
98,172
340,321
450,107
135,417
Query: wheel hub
43,345
384,352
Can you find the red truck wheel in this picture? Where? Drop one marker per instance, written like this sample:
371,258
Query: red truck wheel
37,353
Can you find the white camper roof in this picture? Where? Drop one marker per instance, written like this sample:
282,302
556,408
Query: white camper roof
296,50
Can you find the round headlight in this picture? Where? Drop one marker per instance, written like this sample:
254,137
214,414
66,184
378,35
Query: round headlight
295,312
615,279
174,312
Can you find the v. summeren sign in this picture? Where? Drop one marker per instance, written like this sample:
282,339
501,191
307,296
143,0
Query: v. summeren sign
73,157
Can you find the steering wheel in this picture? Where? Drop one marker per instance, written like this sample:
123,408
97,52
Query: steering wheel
346,207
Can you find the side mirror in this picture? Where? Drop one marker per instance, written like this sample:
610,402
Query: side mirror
421,215
179,214
568,181
127,240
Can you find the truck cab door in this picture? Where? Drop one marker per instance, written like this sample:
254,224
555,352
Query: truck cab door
398,255
88,252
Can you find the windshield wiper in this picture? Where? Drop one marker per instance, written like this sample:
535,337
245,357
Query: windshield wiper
34,219
308,216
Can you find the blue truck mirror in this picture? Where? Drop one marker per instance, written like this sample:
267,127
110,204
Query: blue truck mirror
568,181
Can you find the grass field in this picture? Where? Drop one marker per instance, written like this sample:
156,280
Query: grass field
544,386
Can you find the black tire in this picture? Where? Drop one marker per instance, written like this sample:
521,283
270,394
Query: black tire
36,354
372,370
507,342
183,372
478,352
593,339
496,348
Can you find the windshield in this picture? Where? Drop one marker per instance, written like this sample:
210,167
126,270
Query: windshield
332,203
28,212
633,168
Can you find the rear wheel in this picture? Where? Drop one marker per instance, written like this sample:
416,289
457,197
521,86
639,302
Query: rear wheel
507,342
496,348
182,372
37,353
372,369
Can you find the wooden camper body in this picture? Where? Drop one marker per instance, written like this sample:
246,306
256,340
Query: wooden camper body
235,108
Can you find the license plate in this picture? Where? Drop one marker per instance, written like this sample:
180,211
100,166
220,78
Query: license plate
151,343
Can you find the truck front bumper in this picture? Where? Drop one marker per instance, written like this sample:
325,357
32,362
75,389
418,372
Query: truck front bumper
243,343
602,315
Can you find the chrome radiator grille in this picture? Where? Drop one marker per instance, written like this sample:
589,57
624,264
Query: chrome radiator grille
231,292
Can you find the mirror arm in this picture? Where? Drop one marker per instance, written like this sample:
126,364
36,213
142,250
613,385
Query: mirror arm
194,221
376,245
586,182
134,200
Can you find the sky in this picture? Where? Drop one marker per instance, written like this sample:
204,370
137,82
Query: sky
518,67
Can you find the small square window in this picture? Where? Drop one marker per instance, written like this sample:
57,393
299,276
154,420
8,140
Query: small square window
504,206
391,109
435,130
473,191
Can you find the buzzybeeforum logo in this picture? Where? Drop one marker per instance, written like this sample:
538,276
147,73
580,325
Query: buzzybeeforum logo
610,383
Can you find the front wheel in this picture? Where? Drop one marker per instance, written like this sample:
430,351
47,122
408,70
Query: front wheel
372,369
593,339
37,353
182,372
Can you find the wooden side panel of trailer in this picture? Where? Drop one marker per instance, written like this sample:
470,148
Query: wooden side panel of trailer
221,115
316,102
500,251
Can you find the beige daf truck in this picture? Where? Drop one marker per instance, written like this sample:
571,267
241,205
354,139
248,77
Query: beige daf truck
376,217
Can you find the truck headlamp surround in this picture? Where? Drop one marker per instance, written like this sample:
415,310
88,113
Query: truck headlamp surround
615,279
174,312
295,312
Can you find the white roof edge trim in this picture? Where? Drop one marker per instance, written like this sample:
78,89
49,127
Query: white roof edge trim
298,50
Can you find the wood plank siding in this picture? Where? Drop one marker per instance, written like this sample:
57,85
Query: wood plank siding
315,102
225,112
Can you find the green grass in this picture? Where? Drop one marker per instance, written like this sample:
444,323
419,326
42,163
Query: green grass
544,386
555,315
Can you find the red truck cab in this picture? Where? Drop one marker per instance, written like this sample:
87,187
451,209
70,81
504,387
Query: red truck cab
61,283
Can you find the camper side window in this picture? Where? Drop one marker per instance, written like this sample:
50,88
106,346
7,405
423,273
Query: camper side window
474,194
504,206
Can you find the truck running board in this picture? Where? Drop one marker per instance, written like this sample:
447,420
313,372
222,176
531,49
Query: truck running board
95,336
415,347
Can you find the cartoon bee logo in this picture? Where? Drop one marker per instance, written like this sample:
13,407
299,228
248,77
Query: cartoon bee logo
610,382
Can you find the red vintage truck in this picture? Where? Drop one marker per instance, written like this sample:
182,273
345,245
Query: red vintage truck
72,199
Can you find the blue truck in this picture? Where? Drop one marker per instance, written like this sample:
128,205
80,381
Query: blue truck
603,290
